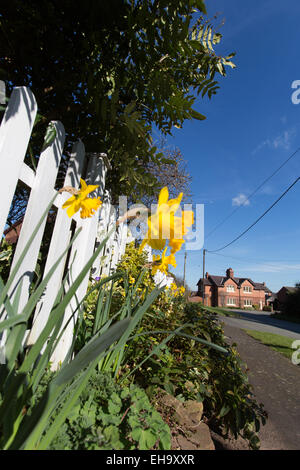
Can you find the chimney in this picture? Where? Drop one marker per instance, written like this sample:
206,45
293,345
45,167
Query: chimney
206,275
230,273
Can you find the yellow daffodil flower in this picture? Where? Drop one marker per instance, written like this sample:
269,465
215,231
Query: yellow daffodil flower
162,263
160,224
164,225
181,225
80,201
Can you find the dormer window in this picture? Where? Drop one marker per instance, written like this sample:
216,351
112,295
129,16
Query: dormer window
247,289
230,288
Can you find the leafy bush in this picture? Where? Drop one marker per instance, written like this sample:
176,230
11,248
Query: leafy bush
267,308
6,256
191,370
291,305
133,280
255,306
108,416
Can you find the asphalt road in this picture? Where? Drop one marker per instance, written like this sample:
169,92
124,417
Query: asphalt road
262,321
275,380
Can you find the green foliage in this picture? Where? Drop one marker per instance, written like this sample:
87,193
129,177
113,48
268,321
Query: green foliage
192,370
291,306
136,65
133,280
23,370
267,308
108,416
6,256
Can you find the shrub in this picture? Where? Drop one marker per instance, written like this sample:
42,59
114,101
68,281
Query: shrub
255,306
267,308
292,304
6,256
109,416
218,380
135,281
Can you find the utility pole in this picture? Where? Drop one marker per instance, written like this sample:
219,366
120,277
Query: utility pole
185,254
203,276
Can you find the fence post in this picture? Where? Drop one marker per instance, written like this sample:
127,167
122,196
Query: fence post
115,250
122,239
40,195
110,221
15,131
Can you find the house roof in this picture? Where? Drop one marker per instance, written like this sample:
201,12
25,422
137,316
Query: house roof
291,289
220,280
207,282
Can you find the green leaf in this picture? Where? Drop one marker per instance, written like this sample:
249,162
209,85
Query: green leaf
49,136
196,115
201,6
91,351
224,410
145,438
165,439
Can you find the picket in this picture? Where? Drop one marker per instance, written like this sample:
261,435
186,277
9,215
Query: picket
40,195
102,230
15,131
110,220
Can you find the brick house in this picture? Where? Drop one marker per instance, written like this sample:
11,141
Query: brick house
282,296
231,291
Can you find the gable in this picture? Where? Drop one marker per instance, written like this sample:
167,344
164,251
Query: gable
246,282
230,281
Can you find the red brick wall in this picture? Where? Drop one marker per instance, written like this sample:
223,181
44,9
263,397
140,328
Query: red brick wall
219,296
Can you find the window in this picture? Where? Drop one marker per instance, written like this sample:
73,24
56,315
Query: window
247,303
230,301
230,288
247,289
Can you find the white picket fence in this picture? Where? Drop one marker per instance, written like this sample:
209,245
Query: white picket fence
15,132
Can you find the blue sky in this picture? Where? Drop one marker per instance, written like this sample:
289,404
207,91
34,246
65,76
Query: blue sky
252,127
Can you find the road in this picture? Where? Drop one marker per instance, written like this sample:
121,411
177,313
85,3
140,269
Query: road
262,321
275,380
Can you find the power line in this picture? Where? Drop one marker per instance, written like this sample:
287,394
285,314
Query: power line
254,192
257,220
266,262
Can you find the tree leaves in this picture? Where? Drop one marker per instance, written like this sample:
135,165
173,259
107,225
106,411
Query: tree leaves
135,66
197,115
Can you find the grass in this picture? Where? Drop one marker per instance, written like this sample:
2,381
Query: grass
224,312
279,343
